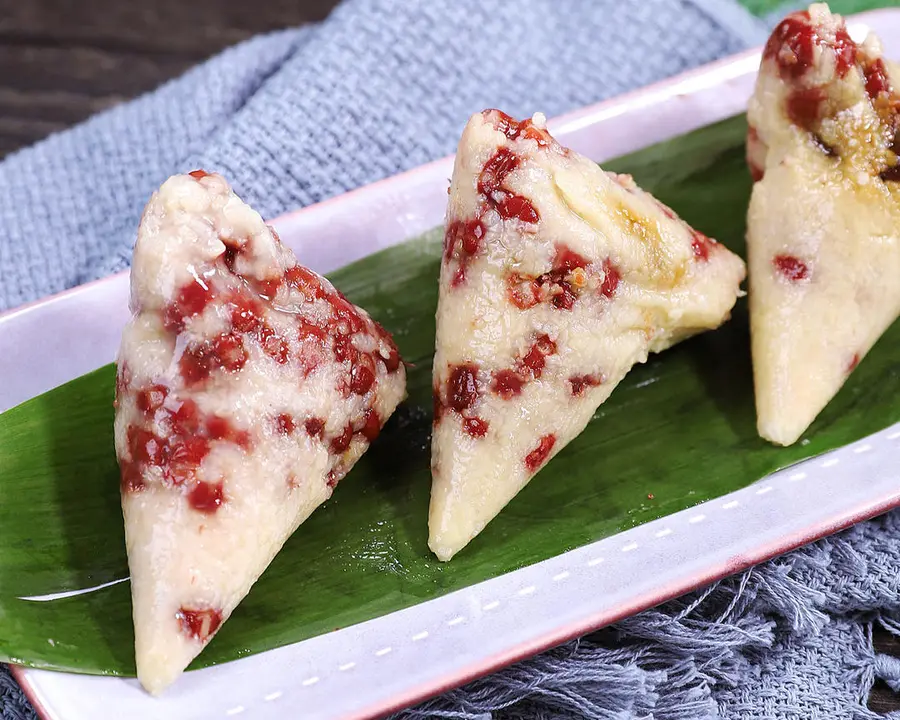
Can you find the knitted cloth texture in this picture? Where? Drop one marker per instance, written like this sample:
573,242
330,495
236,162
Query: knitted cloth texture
381,86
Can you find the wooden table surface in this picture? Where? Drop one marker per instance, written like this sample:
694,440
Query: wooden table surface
63,60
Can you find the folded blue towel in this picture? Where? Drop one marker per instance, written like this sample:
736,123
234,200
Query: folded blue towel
381,86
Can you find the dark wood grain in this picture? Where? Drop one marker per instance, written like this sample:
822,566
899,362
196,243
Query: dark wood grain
61,61
882,699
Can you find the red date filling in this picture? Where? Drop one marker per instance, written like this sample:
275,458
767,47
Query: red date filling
207,497
225,352
892,173
756,172
754,144
803,106
877,82
794,47
701,245
463,239
185,435
563,284
198,624
509,383
185,441
371,425
123,380
285,424
191,300
495,195
462,387
475,427
537,457
462,391
581,383
178,451
315,427
229,351
515,130
791,268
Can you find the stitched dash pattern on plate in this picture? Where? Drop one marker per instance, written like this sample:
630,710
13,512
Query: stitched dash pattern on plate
689,517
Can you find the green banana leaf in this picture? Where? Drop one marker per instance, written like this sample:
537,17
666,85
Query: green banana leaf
844,7
678,431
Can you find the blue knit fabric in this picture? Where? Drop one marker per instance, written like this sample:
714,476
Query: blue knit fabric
381,86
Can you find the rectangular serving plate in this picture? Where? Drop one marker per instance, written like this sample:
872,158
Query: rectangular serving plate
393,661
